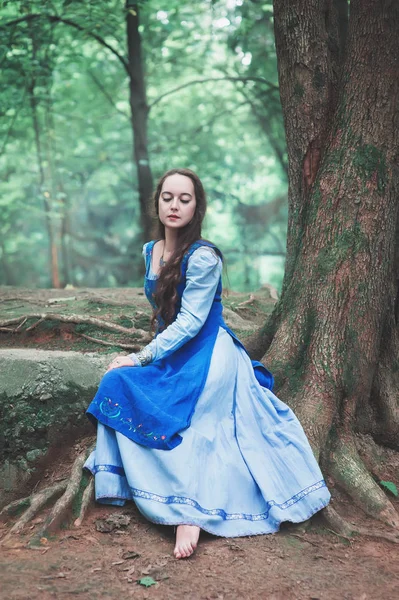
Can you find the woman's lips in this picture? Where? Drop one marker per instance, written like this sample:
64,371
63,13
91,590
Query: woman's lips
173,217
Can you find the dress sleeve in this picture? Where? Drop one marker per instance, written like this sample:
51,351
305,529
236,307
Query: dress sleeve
203,273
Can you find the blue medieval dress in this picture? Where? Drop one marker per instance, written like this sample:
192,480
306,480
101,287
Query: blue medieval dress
197,436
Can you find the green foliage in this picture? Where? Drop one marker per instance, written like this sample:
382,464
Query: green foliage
77,170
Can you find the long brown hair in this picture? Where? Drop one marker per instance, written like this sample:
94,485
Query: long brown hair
166,292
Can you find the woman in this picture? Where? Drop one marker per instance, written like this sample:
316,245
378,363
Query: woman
194,435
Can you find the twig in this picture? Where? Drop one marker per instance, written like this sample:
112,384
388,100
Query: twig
34,325
22,323
300,537
340,535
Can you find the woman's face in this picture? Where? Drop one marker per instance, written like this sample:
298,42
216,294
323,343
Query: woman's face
177,202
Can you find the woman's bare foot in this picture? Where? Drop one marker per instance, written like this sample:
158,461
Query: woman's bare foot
186,540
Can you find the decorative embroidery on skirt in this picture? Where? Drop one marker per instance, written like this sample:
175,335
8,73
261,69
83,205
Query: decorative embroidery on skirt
220,512
112,410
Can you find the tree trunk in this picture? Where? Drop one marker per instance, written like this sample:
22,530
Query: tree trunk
7,271
53,251
58,190
333,335
139,117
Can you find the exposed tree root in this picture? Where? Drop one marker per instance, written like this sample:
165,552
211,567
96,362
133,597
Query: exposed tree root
34,502
68,488
87,497
246,302
342,528
349,471
19,321
63,504
132,347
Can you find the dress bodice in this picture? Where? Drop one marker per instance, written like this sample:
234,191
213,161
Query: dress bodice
151,279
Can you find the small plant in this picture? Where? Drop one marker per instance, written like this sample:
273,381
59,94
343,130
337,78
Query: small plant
146,581
390,486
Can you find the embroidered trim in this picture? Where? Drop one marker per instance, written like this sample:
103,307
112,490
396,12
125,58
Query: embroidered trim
220,512
108,469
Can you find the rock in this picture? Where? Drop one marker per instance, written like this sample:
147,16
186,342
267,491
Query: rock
112,522
43,398
235,321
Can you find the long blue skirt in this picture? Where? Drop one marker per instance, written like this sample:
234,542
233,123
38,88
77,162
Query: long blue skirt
243,467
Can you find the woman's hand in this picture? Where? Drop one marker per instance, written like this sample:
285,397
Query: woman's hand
122,361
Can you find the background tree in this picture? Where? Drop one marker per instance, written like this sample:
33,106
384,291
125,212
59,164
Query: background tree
333,339
196,85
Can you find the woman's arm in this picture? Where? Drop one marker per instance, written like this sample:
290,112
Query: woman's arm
203,273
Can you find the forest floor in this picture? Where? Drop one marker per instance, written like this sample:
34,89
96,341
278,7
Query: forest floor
297,563
126,307
86,563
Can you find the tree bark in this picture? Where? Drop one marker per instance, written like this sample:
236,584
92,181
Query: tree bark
139,116
333,334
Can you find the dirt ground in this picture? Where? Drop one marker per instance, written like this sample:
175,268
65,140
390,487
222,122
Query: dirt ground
292,564
298,563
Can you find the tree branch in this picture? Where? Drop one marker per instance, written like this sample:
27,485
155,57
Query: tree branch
107,95
56,19
14,118
272,86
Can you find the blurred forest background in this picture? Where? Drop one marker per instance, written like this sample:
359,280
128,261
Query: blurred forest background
99,98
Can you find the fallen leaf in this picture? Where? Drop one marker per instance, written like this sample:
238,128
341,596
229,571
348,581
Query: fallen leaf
117,562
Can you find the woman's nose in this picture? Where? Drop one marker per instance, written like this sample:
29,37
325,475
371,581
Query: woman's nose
175,203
